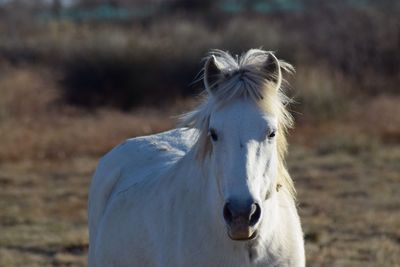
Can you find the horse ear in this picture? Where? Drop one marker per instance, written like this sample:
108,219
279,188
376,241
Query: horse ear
272,68
212,74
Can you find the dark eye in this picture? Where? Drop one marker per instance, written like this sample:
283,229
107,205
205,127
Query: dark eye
213,134
271,135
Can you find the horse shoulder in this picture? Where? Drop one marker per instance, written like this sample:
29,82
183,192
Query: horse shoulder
146,157
130,163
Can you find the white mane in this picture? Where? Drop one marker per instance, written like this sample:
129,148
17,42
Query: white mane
245,77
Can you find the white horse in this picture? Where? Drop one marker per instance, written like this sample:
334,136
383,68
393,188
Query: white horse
213,193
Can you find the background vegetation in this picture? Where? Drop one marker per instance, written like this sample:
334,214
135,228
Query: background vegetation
78,77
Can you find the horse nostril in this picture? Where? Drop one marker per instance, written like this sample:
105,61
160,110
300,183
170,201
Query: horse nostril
250,214
228,216
255,214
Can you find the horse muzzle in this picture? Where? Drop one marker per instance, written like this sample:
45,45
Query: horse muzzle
241,232
241,219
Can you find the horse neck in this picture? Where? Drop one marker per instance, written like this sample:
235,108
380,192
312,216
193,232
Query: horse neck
192,183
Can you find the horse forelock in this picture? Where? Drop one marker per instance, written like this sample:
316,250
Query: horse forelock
244,77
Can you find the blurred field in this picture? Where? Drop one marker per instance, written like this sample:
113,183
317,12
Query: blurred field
348,204
70,91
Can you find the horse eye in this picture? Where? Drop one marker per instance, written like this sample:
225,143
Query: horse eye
213,134
271,135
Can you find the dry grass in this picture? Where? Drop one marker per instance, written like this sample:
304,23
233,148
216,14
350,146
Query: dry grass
34,124
348,205
43,212
320,94
65,136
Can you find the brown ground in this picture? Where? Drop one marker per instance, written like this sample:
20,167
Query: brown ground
349,205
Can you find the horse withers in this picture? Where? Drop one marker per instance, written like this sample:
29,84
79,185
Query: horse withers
214,191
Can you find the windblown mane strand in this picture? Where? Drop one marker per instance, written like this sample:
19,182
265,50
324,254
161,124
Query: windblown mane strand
246,77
